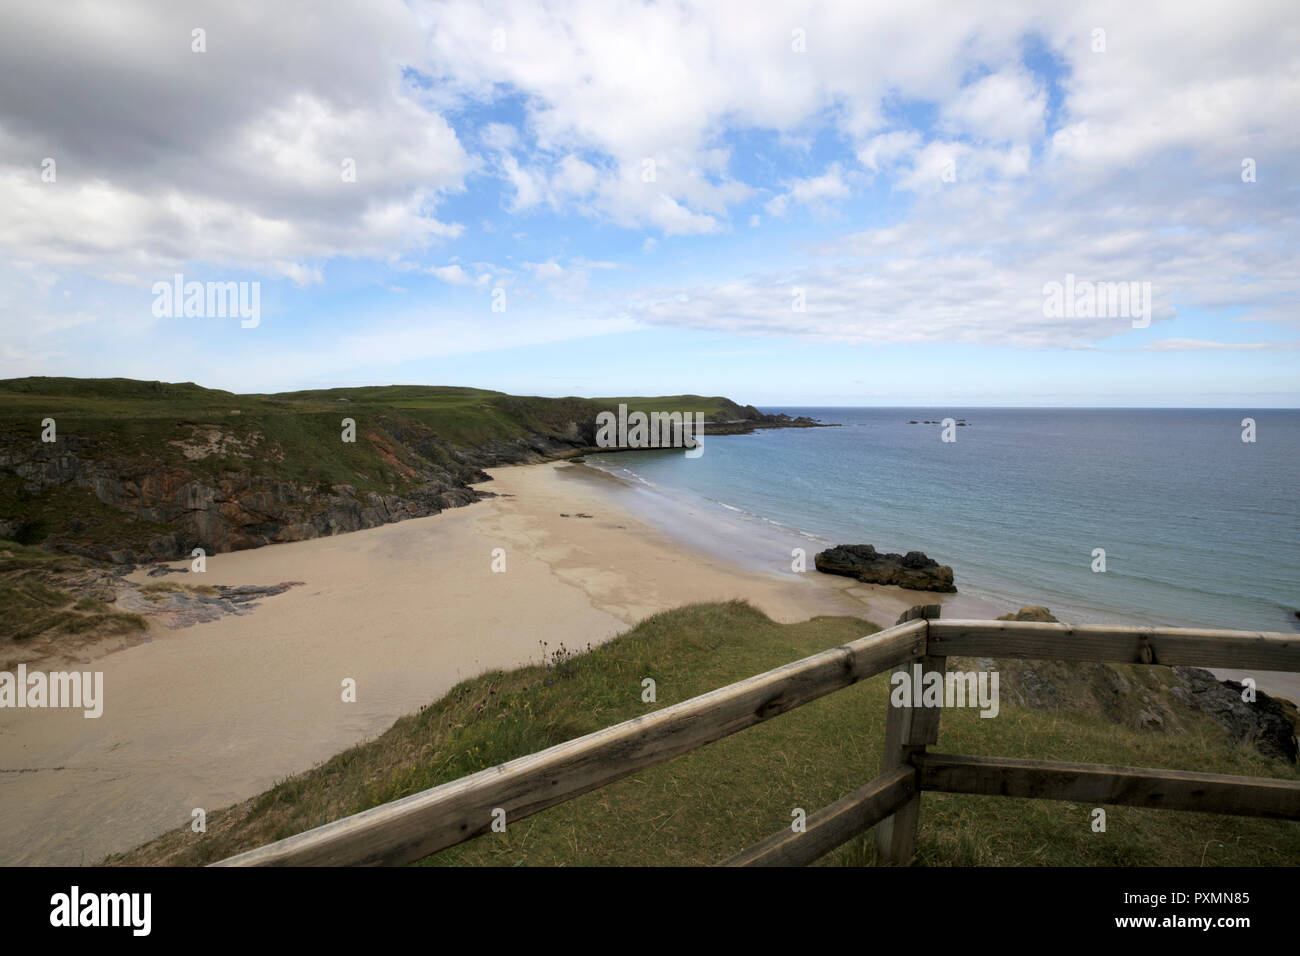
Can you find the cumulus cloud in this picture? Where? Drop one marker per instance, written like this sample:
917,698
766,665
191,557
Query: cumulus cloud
815,191
970,267
1007,106
292,140
999,175
638,82
452,274
569,282
881,150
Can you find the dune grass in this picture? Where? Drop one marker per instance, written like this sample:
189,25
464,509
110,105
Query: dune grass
707,805
33,604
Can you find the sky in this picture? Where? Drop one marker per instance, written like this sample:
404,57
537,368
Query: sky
790,204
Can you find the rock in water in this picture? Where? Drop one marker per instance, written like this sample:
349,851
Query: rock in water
912,570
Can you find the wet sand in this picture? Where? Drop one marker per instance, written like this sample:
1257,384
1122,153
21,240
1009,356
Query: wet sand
212,714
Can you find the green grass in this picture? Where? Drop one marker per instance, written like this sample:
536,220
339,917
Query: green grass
173,587
716,408
306,426
32,604
713,802
137,429
147,413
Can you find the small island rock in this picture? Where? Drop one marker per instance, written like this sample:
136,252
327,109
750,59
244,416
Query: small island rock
913,570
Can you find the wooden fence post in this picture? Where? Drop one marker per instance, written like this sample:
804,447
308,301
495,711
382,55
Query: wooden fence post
907,731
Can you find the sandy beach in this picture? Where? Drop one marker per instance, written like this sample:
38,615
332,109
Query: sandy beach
205,716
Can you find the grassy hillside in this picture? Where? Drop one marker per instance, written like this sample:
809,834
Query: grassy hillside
462,416
135,415
716,408
707,805
130,455
144,430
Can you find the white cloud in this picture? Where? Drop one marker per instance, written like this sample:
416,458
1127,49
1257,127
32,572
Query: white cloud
545,270
301,276
566,282
529,188
1007,106
452,274
969,266
815,191
574,177
237,157
884,149
501,137
940,164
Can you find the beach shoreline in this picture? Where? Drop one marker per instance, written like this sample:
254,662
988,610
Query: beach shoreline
205,716
764,546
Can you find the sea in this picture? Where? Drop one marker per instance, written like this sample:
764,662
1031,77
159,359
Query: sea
1105,515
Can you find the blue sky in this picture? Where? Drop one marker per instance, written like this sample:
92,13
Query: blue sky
913,179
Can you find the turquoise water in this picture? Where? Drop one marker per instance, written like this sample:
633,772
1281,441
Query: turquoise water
1198,526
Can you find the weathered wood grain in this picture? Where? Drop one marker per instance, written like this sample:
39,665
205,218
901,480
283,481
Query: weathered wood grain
907,732
1099,783
834,824
1193,647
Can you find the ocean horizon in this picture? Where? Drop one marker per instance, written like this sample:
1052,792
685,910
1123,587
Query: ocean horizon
1198,527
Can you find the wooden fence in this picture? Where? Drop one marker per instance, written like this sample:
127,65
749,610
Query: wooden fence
414,827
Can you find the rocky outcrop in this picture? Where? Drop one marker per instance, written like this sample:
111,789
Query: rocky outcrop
62,607
779,420
179,605
912,570
741,421
1088,687
174,508
1264,723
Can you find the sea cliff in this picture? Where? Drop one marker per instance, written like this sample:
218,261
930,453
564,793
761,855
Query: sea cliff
130,471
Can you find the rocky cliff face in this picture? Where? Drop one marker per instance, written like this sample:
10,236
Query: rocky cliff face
152,471
1264,723
173,507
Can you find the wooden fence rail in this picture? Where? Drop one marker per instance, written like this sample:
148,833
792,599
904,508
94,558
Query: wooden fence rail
413,827
1098,783
1185,646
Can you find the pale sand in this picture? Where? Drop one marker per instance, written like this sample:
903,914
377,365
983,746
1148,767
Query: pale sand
213,714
